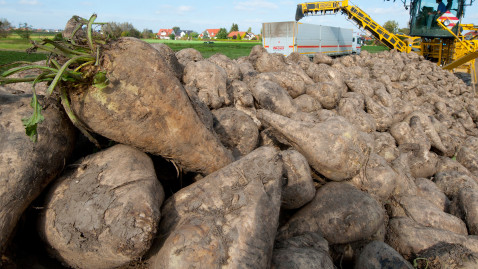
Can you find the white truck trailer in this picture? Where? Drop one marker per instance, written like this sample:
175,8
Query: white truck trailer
308,39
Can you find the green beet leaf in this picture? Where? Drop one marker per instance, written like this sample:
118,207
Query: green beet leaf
31,123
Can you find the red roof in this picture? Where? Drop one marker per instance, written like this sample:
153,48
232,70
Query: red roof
212,32
236,33
165,32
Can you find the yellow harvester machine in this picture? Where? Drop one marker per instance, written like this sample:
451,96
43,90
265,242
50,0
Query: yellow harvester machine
437,36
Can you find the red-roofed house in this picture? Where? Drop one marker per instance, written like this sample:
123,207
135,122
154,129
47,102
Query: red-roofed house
164,33
236,34
471,35
211,33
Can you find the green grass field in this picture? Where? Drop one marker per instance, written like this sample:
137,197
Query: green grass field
375,49
13,56
15,42
13,47
231,49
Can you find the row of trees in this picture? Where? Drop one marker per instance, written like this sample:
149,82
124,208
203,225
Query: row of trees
24,30
223,33
113,29
116,30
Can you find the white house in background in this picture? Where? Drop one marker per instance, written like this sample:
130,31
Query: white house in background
164,33
211,33
249,36
181,33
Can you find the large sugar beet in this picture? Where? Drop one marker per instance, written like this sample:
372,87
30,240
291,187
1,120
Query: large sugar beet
385,146
188,55
326,93
201,108
300,188
146,106
309,250
427,214
451,182
211,81
340,212
272,96
307,103
378,255
291,82
353,110
445,255
324,73
409,238
226,220
378,179
422,162
27,167
467,155
334,148
170,57
232,69
468,204
270,62
236,130
103,212
429,191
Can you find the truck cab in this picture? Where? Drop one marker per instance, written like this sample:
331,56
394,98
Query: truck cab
357,43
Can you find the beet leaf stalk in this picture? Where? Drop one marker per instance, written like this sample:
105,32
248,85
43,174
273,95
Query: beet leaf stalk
69,61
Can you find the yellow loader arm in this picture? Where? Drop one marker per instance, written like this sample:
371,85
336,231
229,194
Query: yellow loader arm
357,15
466,51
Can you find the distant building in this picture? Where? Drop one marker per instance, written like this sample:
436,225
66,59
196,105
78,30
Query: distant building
471,35
250,36
164,33
181,33
211,33
236,35
243,35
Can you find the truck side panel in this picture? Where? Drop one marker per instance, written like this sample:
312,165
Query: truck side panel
278,37
307,39
338,41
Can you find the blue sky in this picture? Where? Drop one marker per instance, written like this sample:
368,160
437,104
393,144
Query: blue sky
193,15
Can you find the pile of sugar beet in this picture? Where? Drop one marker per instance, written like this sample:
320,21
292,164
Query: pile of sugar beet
266,161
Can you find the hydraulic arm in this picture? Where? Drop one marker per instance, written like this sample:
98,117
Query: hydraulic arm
357,15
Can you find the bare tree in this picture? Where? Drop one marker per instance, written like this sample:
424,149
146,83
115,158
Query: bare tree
4,27
147,33
115,30
24,30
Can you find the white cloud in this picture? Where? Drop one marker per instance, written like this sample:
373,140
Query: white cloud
184,9
168,10
29,2
254,5
2,2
